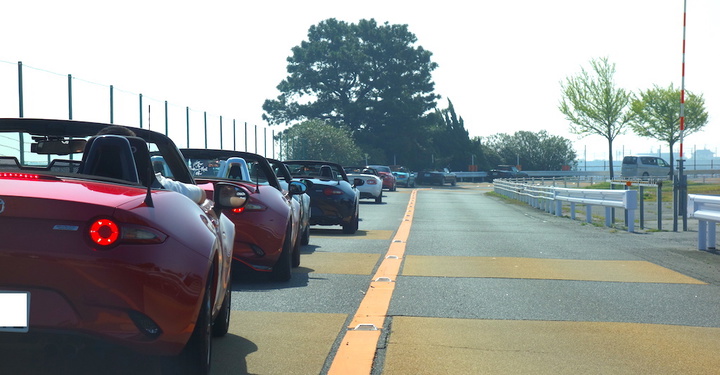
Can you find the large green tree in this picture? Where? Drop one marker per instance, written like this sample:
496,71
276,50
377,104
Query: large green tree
594,105
657,112
451,143
318,140
368,77
533,151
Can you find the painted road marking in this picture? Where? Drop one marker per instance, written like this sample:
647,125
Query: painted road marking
420,345
551,269
338,263
357,348
266,342
363,234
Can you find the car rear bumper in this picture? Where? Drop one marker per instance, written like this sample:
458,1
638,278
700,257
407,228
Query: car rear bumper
126,296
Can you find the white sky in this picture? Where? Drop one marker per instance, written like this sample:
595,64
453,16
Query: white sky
500,62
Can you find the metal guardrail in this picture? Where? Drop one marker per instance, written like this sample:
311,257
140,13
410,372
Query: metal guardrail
706,209
550,199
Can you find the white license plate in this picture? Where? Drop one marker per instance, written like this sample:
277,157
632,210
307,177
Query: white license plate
14,311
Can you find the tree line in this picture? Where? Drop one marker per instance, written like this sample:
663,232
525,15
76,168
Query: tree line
363,94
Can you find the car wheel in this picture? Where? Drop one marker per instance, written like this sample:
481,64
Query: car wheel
221,325
282,270
352,226
305,238
296,254
453,183
195,357
378,199
393,188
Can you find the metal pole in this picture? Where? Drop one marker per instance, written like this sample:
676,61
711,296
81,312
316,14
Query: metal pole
221,131
187,125
21,139
245,137
141,112
681,181
166,118
205,121
70,97
112,104
234,136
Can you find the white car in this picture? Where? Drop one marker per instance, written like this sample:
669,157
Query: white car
372,188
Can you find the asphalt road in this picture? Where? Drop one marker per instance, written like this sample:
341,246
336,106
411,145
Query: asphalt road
449,280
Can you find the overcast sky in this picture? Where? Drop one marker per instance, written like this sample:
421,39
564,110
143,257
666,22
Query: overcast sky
500,62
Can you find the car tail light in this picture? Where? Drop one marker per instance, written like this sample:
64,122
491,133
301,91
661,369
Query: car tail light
250,206
106,232
332,191
371,182
25,176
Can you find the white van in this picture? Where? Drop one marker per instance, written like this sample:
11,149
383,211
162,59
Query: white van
644,166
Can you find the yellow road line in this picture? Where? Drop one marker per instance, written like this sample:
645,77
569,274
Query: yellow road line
548,347
338,263
540,268
357,349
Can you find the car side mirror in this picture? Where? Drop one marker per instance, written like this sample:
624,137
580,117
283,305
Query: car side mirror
230,196
297,187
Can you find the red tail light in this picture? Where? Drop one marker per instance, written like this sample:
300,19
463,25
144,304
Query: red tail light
332,191
371,182
25,176
250,207
104,232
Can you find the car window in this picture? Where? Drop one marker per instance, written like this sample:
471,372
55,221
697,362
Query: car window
648,161
630,160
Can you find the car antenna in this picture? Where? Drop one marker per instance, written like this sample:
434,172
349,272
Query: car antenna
257,178
148,195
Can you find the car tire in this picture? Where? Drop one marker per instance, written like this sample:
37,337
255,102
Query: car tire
296,254
282,270
196,357
305,237
378,199
453,183
352,226
221,325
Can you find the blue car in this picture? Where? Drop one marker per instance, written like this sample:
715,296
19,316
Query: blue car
334,199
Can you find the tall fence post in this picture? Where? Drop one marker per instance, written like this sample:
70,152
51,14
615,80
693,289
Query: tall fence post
112,105
205,121
167,125
21,111
70,107
187,125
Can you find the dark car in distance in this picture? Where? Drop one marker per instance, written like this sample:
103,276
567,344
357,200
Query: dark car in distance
334,199
506,171
436,177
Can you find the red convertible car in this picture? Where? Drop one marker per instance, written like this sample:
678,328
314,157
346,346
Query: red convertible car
99,251
267,229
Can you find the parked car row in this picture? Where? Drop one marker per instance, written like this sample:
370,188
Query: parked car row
125,259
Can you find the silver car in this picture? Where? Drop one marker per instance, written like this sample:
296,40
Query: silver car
645,166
